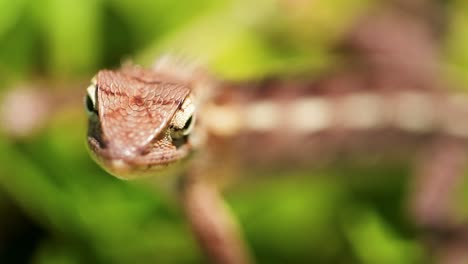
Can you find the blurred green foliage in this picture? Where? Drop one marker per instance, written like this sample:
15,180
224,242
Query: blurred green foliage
86,216
63,39
456,51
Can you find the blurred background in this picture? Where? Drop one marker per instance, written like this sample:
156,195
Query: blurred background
58,206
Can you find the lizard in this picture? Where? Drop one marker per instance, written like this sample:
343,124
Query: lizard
161,121
176,119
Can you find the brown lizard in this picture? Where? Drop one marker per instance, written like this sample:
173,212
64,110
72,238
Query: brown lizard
173,119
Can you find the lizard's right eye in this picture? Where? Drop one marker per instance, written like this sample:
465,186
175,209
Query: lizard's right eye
90,101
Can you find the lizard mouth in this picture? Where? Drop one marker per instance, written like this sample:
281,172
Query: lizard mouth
150,161
159,157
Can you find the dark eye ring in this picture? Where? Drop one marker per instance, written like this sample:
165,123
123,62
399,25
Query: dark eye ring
188,124
89,105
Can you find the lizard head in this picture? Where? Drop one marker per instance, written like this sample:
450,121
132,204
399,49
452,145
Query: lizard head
139,121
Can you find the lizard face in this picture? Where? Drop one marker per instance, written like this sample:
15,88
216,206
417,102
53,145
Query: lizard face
140,121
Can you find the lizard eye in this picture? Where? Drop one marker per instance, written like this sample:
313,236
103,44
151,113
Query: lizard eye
188,126
90,101
178,132
183,120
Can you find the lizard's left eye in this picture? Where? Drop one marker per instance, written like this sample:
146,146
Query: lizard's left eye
90,102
